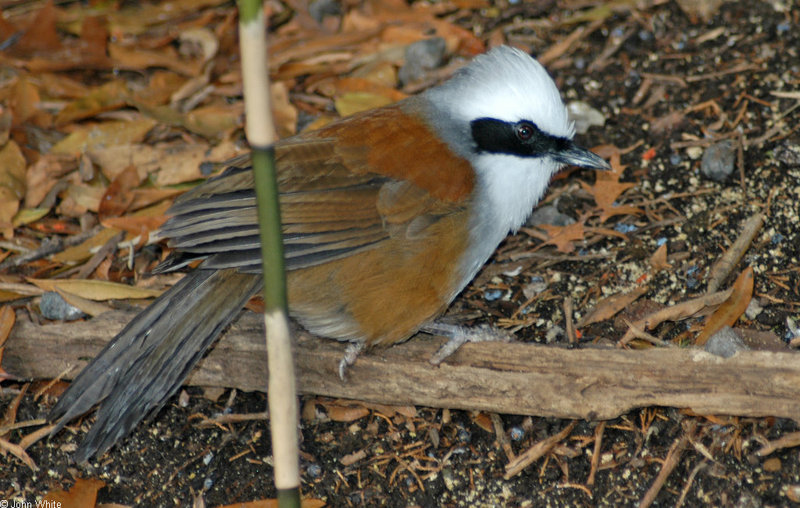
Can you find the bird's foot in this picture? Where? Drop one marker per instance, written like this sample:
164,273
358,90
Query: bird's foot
351,353
460,335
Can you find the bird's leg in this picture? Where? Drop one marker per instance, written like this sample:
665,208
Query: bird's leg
459,335
351,352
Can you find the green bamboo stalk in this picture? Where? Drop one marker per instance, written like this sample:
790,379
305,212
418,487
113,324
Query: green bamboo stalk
282,392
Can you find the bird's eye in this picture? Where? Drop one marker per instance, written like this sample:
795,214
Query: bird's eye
524,131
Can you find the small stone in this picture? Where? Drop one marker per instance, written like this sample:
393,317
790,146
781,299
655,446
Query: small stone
550,215
314,471
753,309
421,57
584,116
624,228
725,343
536,286
319,9
694,152
53,306
772,465
553,333
718,161
491,295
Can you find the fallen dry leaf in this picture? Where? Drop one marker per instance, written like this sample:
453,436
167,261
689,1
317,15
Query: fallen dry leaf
609,306
28,215
273,503
128,58
731,310
95,289
91,137
41,34
7,320
355,102
658,261
87,306
19,453
135,225
82,494
214,121
77,199
345,412
24,102
12,185
43,176
676,312
607,189
106,97
562,237
118,195
180,163
83,251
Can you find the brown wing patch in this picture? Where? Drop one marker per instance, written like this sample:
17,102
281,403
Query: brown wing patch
402,147
344,189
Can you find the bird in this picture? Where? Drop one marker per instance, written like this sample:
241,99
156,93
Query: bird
386,216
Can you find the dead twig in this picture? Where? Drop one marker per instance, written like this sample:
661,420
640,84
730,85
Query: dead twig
536,451
672,460
638,333
598,443
675,312
233,418
502,437
740,68
569,323
49,247
723,267
699,467
787,441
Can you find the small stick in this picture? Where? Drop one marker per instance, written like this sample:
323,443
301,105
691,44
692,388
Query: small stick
536,451
674,313
634,332
689,482
502,437
723,267
787,441
569,323
598,442
672,460
49,246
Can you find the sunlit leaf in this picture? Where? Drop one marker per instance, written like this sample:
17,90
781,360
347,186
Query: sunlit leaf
95,289
83,251
12,185
85,305
107,97
28,215
354,102
104,134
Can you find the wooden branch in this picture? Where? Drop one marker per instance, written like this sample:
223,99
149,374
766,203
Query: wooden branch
509,378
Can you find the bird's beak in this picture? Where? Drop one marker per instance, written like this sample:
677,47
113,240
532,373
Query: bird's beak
582,157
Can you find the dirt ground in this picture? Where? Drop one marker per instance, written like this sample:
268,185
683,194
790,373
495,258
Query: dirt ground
671,80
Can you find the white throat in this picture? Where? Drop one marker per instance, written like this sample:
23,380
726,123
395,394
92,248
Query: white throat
507,189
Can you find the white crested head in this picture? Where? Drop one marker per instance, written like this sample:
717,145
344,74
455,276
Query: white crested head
506,84
503,113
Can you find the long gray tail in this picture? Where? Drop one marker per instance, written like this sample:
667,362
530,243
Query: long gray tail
145,364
